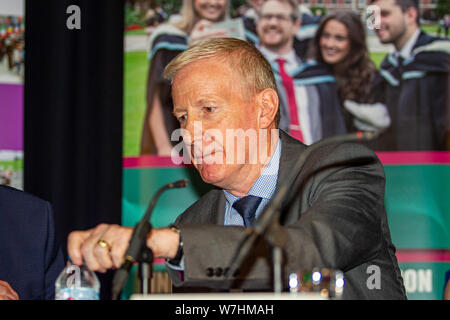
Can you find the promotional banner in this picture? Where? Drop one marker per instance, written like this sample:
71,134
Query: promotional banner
417,187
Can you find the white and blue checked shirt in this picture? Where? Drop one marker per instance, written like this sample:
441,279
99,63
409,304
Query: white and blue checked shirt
263,187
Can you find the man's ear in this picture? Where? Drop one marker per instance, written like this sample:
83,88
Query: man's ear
268,102
412,14
297,25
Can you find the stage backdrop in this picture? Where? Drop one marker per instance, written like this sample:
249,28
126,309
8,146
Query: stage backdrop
12,50
73,113
417,187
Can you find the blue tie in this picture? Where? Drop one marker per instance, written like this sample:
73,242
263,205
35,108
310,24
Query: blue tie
246,207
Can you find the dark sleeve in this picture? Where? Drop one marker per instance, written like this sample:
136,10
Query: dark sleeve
155,80
54,261
377,89
440,105
155,73
339,226
250,30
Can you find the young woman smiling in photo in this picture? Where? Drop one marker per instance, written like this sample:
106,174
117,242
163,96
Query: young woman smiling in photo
340,43
166,42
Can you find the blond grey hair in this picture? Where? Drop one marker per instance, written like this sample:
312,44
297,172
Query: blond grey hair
254,70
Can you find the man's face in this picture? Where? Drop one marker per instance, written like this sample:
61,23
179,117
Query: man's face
392,21
276,27
208,96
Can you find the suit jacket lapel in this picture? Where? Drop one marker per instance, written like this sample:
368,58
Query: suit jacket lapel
290,152
217,215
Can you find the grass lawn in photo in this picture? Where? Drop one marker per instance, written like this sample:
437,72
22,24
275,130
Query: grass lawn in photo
135,82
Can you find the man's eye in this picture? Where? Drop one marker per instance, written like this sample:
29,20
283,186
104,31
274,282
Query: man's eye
209,109
182,118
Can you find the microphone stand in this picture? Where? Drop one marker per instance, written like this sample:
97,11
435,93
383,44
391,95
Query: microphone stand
145,258
268,225
138,251
145,270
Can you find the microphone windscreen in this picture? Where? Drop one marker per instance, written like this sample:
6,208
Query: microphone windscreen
180,183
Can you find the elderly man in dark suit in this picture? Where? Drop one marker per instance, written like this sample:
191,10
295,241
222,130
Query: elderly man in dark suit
30,257
225,88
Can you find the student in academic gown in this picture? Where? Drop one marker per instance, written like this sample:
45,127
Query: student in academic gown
166,42
416,80
309,105
340,44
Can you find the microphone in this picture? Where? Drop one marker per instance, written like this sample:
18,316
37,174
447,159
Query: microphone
267,220
179,184
138,239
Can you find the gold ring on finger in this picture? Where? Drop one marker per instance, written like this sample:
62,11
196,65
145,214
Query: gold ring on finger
104,244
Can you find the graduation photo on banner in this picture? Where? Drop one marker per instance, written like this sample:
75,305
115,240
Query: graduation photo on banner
337,71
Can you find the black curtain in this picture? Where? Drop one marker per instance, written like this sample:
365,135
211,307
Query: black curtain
73,112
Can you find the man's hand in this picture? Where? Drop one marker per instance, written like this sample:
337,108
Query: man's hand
83,245
368,117
6,292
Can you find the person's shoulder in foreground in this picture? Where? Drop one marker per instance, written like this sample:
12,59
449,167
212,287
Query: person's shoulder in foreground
30,257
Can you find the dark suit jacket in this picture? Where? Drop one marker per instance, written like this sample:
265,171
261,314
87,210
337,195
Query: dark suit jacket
30,258
337,220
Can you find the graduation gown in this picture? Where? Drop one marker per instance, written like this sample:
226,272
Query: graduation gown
416,92
166,43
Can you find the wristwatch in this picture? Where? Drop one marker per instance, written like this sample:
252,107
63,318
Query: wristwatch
177,259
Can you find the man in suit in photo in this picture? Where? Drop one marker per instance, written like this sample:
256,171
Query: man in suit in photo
415,80
336,220
309,102
303,34
30,256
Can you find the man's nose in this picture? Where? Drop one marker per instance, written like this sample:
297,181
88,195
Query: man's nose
273,20
193,129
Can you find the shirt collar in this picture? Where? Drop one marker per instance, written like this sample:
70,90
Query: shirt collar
405,52
265,185
290,57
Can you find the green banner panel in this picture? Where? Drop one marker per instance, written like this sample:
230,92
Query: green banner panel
417,203
140,185
424,280
418,206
